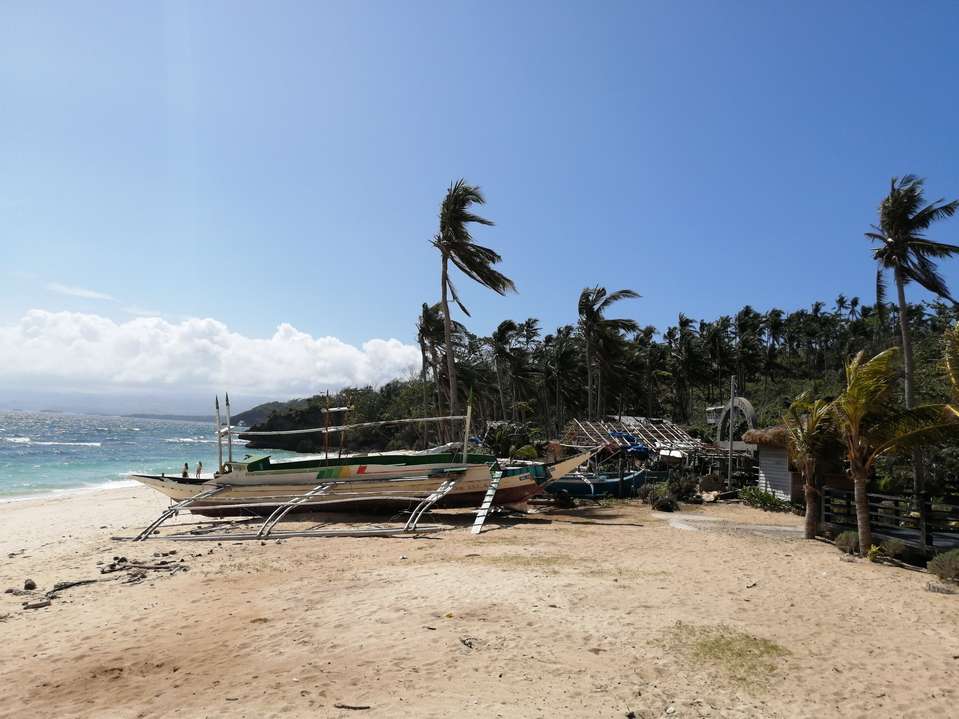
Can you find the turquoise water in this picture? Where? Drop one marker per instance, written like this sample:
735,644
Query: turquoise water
42,452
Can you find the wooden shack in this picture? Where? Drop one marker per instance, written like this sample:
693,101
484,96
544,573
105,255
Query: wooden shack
776,474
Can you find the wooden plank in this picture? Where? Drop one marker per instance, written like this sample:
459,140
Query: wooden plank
485,506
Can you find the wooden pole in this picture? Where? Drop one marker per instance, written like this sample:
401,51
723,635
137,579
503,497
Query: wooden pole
326,434
732,413
466,435
219,436
229,431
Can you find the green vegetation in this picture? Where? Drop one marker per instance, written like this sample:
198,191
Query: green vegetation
739,656
761,499
848,542
946,565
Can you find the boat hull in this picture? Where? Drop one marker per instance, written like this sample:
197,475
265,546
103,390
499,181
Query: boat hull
367,495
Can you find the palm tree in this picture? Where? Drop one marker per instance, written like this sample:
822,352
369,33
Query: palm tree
456,245
501,345
903,218
593,303
871,425
808,427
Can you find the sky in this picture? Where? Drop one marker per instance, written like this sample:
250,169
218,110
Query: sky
197,197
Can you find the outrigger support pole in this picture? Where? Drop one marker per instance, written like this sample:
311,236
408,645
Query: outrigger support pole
174,509
285,508
428,502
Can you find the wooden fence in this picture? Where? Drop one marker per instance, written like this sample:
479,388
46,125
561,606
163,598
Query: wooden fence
926,525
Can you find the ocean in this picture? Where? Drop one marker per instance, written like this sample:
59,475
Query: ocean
42,453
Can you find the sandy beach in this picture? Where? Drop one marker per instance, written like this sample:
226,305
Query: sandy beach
721,612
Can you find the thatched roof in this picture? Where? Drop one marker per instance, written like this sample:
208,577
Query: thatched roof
769,436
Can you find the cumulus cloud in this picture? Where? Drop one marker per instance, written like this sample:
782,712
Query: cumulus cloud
72,350
82,292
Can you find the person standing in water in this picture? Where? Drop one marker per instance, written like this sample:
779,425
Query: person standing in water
186,470
199,469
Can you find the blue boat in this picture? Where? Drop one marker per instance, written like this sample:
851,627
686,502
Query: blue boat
589,485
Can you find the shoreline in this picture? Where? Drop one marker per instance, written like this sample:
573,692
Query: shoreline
106,486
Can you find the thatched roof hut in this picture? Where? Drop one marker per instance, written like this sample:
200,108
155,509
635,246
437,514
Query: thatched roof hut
768,436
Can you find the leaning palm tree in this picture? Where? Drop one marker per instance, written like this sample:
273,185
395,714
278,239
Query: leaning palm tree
871,425
904,216
593,303
456,245
809,427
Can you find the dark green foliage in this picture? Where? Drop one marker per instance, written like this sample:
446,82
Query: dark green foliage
893,548
946,565
661,498
848,542
644,490
761,499
525,452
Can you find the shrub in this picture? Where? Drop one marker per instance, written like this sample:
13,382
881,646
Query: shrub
643,491
525,452
684,488
661,498
848,542
761,499
893,548
946,565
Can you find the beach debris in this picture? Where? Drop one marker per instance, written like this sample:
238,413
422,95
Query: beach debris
61,586
138,570
37,604
630,714
29,585
18,592
750,585
940,588
354,707
467,642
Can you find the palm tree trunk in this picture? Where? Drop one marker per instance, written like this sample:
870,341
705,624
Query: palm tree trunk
448,336
907,366
862,509
812,506
589,381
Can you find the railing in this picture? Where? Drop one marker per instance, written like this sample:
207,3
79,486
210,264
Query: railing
931,526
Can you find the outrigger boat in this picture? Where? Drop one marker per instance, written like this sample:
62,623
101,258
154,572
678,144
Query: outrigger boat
377,482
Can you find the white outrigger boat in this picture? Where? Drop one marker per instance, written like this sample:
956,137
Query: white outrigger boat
388,481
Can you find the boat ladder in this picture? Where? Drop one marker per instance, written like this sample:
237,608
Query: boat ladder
174,509
484,509
288,506
428,502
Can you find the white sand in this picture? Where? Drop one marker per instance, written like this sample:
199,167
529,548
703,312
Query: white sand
567,616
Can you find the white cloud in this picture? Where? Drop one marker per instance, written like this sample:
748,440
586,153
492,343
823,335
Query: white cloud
78,292
70,350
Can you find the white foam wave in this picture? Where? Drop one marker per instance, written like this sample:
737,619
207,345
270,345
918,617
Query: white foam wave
189,440
70,491
28,440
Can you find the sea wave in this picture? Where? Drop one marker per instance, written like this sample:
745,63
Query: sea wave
69,491
29,440
189,440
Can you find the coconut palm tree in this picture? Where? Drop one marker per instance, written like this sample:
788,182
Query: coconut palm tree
593,304
809,426
456,245
501,346
871,425
903,248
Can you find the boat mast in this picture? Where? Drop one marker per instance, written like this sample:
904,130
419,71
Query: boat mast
219,436
229,433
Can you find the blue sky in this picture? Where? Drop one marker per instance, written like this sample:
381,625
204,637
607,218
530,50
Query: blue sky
268,163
